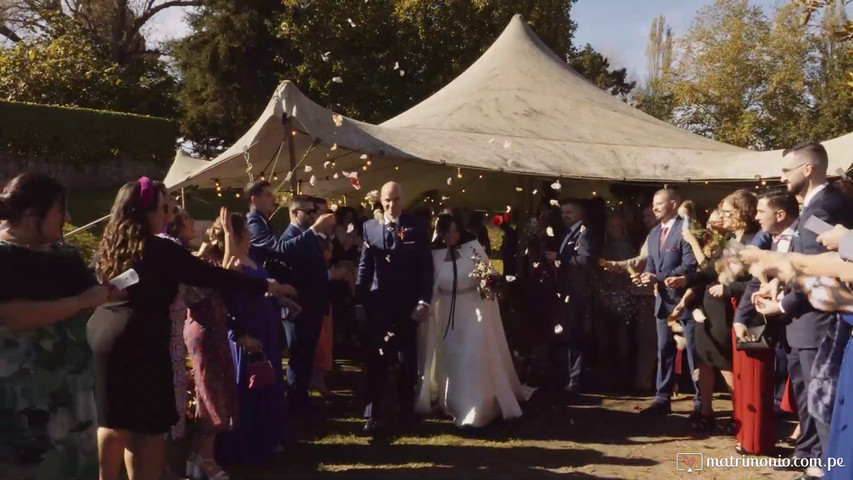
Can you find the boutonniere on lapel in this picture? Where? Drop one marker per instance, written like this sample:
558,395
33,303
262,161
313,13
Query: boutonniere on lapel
404,233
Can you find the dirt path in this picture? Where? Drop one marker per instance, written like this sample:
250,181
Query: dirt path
591,436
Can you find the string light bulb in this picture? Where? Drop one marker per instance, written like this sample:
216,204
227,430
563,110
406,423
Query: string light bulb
275,177
237,195
458,172
396,167
218,194
481,176
463,190
369,162
364,167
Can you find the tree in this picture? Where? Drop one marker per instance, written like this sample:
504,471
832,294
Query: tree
63,66
722,72
596,67
829,85
656,96
116,24
230,63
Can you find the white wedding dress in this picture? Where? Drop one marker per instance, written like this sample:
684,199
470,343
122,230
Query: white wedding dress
467,373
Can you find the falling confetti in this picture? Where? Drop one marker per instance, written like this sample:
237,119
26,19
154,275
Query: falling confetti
313,180
396,65
336,176
508,209
449,180
355,183
338,119
535,264
557,263
444,198
337,80
519,189
507,143
350,228
388,258
566,299
554,203
325,56
402,72
381,352
479,315
556,185
535,191
326,164
558,329
549,231
363,156
334,147
510,278
350,175
351,23
308,168
491,141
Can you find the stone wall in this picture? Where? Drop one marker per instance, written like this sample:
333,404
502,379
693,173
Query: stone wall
107,173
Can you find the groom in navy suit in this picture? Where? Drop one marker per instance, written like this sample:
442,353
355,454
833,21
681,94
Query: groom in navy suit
395,282
669,256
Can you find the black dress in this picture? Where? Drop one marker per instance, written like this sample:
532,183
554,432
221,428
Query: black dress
133,369
713,341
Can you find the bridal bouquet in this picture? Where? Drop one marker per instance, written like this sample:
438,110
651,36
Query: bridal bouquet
487,277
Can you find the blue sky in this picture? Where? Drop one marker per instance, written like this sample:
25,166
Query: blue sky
619,28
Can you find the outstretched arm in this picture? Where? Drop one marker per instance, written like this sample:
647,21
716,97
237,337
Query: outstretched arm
264,239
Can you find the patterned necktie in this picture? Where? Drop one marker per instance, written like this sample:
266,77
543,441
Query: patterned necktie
663,232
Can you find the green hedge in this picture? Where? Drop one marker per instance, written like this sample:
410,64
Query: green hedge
85,135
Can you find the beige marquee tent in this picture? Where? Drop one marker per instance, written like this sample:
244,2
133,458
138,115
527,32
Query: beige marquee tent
517,114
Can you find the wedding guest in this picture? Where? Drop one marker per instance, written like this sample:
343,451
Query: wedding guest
49,295
756,374
133,372
644,298
805,174
714,335
669,255
256,344
206,337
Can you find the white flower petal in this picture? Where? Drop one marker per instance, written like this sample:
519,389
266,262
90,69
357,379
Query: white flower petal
336,176
351,23
337,80
535,191
556,185
396,65
519,189
402,72
554,203
313,180
510,278
326,164
308,168
549,231
350,228
507,143
558,329
449,180
363,156
338,119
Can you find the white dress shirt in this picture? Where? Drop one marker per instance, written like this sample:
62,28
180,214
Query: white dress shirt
809,196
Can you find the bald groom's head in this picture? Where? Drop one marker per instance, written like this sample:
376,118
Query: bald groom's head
391,197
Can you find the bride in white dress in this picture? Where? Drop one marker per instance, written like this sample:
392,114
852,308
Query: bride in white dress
465,366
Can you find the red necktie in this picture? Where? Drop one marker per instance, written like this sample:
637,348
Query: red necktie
663,232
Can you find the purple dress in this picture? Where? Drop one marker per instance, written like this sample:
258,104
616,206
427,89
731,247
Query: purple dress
261,427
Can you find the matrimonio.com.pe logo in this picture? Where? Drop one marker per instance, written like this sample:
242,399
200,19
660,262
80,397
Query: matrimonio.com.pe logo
689,462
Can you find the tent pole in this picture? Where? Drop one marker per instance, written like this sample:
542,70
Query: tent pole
291,150
183,200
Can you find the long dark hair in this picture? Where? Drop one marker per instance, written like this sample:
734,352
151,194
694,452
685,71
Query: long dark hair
30,191
125,234
442,226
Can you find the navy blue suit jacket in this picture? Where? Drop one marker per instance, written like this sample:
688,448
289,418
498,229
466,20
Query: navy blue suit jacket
400,270
745,309
809,326
308,269
673,260
578,256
